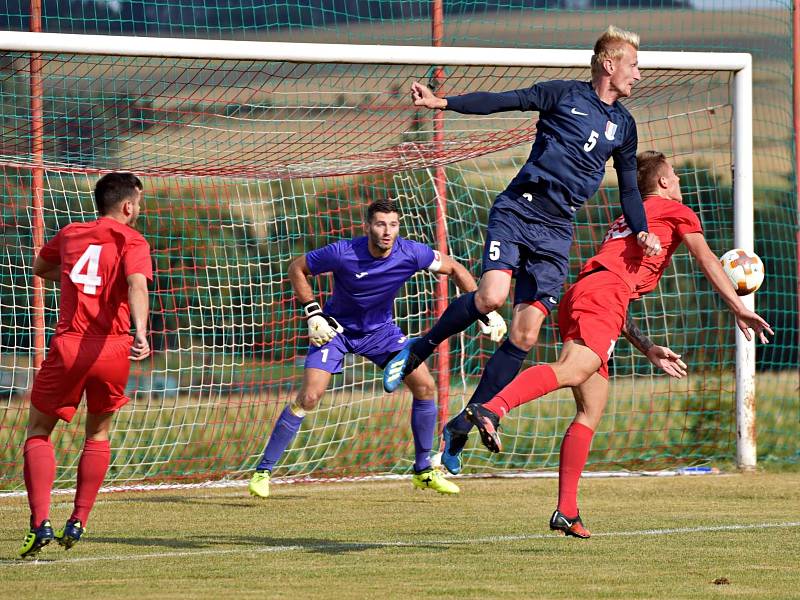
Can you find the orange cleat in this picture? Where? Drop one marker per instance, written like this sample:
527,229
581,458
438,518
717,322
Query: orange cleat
569,526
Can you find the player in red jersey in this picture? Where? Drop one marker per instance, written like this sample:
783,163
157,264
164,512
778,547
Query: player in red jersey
591,316
103,267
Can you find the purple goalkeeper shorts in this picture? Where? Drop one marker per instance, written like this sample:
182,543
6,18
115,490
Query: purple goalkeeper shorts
378,346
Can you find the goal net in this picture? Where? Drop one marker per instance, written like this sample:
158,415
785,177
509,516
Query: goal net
249,159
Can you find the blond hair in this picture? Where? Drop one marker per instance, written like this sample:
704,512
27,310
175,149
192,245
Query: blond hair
650,166
611,45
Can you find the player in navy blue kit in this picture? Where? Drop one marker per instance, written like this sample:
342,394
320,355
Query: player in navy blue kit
368,272
581,125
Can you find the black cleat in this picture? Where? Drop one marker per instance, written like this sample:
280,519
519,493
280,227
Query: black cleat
569,526
487,423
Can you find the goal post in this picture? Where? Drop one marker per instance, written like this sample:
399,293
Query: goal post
255,152
744,238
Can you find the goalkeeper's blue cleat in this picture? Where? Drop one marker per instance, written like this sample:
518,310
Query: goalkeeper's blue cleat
36,539
400,366
454,442
487,423
259,484
394,371
569,526
70,534
431,479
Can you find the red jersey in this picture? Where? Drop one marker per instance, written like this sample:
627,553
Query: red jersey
620,253
96,259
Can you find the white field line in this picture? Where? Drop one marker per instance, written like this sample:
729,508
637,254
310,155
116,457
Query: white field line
225,483
356,545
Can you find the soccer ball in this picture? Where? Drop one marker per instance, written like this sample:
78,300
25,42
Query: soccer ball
744,269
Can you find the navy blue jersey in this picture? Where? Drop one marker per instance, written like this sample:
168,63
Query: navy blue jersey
576,135
364,287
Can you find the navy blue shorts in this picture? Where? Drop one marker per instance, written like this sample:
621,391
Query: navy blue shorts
378,346
535,250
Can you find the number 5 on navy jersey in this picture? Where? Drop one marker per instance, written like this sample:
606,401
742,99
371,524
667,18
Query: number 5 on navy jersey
591,142
494,250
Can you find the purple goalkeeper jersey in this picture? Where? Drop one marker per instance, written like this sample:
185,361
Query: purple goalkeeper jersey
364,287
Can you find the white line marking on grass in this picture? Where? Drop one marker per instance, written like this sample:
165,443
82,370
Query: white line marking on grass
356,545
56,561
323,481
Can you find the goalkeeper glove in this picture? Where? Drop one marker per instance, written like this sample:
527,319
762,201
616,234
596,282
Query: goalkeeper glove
322,328
493,325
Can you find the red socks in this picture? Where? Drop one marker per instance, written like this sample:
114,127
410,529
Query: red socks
532,383
91,473
40,472
574,452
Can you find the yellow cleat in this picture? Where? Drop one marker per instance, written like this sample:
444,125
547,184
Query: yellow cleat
70,534
36,539
259,484
431,479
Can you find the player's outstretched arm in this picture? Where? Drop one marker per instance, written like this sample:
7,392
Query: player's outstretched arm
746,319
491,324
666,360
636,336
449,266
46,270
661,356
422,95
475,103
322,328
299,276
139,305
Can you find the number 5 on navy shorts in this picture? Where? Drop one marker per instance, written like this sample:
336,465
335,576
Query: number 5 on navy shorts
537,254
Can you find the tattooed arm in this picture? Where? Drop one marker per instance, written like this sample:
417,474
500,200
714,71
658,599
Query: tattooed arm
661,356
636,336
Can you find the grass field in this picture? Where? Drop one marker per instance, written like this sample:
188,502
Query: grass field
667,537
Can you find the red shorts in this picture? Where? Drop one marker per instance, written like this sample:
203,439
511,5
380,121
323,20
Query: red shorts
98,365
594,309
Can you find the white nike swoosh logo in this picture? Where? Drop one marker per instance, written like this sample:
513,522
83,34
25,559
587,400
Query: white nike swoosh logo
575,111
360,275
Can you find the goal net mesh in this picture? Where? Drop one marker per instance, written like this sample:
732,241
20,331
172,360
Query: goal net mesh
248,164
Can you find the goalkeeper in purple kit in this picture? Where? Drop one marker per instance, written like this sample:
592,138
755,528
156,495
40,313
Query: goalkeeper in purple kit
368,272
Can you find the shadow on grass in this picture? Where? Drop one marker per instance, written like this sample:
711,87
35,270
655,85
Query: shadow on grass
261,544
243,501
427,498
